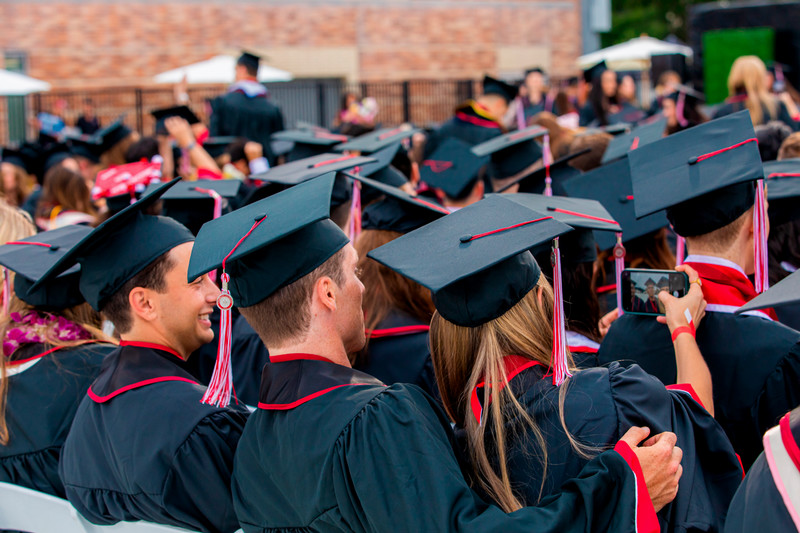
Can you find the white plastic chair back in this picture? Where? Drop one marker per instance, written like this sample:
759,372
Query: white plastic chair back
23,509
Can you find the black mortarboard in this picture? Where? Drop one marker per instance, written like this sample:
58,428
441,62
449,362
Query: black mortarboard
540,70
22,157
703,176
513,152
120,248
583,215
640,136
494,86
182,111
690,95
30,262
376,140
248,60
650,281
594,72
86,146
628,115
53,155
382,171
280,147
783,190
476,260
293,237
190,204
785,292
309,142
663,282
453,168
612,129
112,134
216,146
560,170
611,186
397,211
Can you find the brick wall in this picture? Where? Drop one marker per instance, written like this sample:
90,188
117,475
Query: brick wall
79,43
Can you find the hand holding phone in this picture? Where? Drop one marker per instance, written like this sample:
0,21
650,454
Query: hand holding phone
641,287
692,304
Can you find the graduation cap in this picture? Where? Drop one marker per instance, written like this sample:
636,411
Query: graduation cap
216,146
53,155
453,168
785,292
640,136
112,134
783,190
193,203
611,186
683,97
120,248
584,215
398,211
382,171
559,170
627,115
280,147
182,111
32,256
500,88
125,179
376,140
650,281
24,157
512,153
612,129
540,70
249,60
594,72
309,142
86,146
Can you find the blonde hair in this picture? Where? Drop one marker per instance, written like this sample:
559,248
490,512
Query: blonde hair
15,224
749,76
463,357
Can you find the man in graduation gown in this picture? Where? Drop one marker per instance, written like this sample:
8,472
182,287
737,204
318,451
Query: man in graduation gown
245,110
333,449
142,445
754,360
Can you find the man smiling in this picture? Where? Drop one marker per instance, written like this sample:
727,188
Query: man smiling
142,445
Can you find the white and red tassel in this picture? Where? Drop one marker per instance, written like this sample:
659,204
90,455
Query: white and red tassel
619,266
558,359
520,113
547,159
760,239
220,387
680,250
354,225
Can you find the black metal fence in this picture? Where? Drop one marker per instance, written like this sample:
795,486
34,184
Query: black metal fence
315,101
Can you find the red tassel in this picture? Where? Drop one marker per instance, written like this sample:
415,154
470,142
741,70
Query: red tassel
219,389
547,160
760,239
558,360
680,252
354,226
619,266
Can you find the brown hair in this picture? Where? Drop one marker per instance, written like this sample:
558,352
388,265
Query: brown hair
385,289
65,189
118,309
285,315
24,184
597,143
116,154
648,251
749,76
464,357
560,138
790,147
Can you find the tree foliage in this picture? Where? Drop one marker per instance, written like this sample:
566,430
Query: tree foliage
656,18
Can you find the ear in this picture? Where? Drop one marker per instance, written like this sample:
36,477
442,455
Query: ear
142,304
325,293
479,189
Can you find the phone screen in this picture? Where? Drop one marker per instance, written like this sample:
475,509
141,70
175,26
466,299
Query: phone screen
640,289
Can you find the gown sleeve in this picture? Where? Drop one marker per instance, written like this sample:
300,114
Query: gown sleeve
197,490
711,469
780,394
414,481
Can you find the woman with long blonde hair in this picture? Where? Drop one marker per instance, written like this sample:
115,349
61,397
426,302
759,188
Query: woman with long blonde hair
747,89
52,351
530,420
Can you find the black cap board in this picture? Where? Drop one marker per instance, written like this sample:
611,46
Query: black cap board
785,292
249,60
293,236
376,140
500,88
611,129
703,176
120,248
639,136
112,134
190,204
31,260
628,114
476,260
182,111
86,146
594,72
560,170
453,168
513,152
309,142
690,95
382,171
24,157
783,190
611,185
216,146
54,155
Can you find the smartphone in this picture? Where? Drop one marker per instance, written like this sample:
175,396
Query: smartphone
640,288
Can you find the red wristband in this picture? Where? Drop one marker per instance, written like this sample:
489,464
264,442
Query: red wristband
683,329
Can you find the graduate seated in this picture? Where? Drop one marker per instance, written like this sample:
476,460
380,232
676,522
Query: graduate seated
457,176
705,178
333,449
499,347
52,351
142,445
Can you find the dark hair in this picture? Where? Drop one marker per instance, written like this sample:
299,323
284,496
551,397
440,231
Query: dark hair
236,150
65,189
581,306
144,148
770,138
599,101
153,277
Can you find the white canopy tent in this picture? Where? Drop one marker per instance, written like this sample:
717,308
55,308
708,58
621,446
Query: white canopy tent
632,55
218,69
15,84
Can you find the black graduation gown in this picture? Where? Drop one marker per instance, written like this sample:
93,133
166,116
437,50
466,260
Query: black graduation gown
763,500
333,449
248,357
398,352
255,118
44,390
736,104
754,365
143,447
601,404
470,124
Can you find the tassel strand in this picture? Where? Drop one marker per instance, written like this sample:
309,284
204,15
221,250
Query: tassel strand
558,361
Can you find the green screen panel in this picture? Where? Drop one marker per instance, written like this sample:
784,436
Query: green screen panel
722,47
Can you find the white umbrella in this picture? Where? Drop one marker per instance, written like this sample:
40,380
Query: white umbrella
218,69
15,84
632,55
